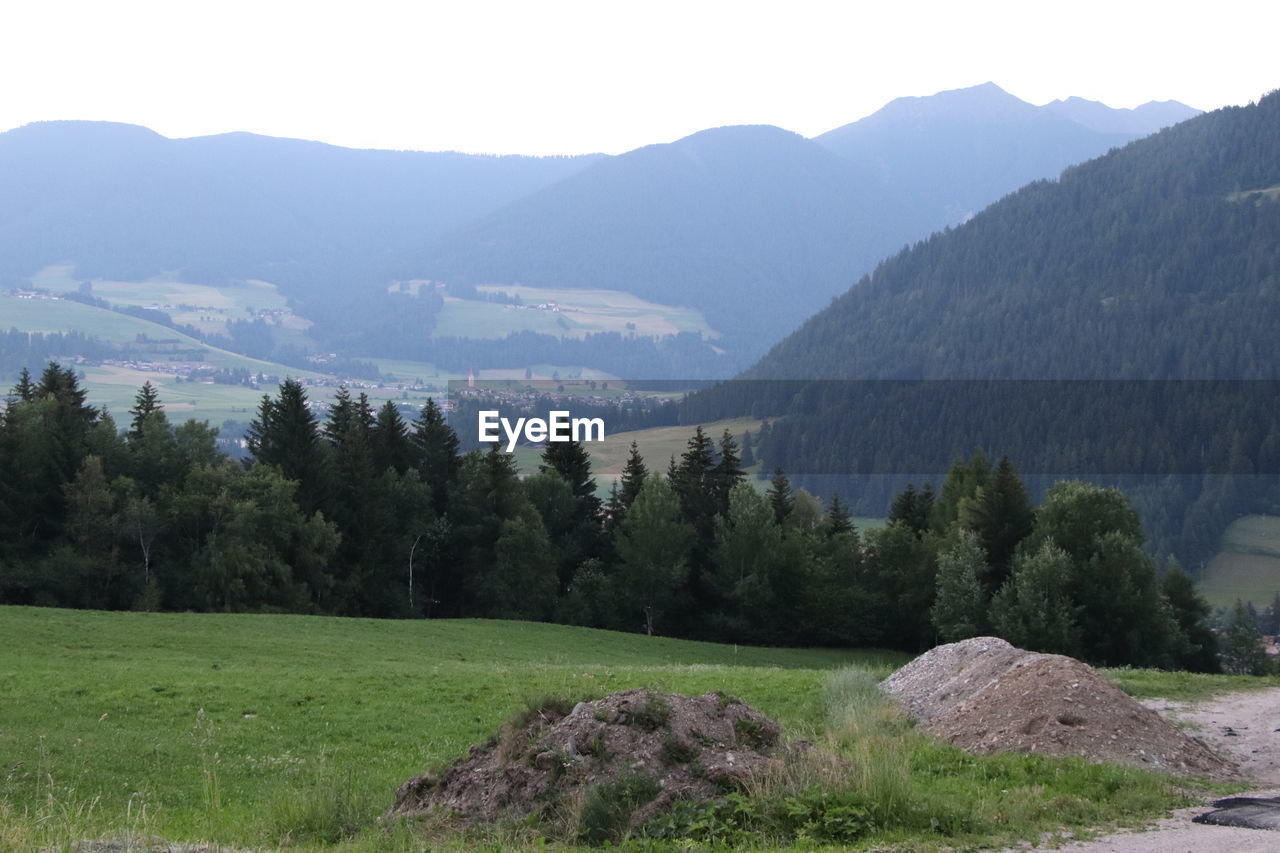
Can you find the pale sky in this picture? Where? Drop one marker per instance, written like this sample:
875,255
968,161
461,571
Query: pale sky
548,77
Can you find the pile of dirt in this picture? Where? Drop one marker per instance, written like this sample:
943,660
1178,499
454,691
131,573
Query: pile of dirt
984,695
647,748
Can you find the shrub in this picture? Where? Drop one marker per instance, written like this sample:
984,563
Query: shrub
607,809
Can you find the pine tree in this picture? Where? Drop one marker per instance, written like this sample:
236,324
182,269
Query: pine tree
25,390
392,447
1240,644
960,608
634,473
1001,514
1198,650
145,404
285,434
780,497
437,446
727,472
839,520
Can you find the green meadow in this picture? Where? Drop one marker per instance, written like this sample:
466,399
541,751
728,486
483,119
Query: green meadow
581,312
293,732
1247,567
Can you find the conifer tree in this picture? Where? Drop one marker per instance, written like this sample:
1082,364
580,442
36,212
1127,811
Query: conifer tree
390,438
285,434
145,404
1198,651
839,520
437,447
25,390
1241,646
727,472
634,473
1001,514
781,498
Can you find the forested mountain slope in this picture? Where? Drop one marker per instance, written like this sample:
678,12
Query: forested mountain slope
756,226
1158,260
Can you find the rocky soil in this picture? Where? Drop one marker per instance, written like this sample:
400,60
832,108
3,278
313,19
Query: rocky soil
549,760
984,695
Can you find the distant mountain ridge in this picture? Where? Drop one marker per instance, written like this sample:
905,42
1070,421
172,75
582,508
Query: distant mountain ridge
755,226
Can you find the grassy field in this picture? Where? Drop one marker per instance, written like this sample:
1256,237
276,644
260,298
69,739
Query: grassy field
292,731
581,312
115,385
1248,565
203,306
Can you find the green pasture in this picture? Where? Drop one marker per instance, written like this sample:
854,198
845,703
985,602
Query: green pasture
1248,565
293,732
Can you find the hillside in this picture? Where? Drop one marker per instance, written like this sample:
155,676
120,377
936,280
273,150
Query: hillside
718,243
1157,261
1160,260
757,227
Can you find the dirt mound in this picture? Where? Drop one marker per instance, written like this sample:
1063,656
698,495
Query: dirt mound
636,750
983,695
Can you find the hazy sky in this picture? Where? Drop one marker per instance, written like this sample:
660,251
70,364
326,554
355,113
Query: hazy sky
544,77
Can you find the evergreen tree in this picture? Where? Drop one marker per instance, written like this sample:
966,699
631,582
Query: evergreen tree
634,473
1240,644
727,472
145,404
25,390
1001,514
1198,650
780,497
392,447
960,608
912,508
285,434
839,520
437,447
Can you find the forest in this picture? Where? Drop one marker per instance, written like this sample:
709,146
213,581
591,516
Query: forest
365,514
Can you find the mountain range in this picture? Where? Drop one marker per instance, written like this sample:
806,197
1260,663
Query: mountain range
756,227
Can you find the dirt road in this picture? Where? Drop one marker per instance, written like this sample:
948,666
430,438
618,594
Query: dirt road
1244,726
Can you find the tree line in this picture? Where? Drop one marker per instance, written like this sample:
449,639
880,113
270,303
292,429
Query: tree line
365,514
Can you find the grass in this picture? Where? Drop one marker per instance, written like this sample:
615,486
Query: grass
237,727
1248,565
213,307
581,312
266,731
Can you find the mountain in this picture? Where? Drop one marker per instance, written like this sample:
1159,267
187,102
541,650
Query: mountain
756,226
124,202
1141,120
1159,260
959,150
